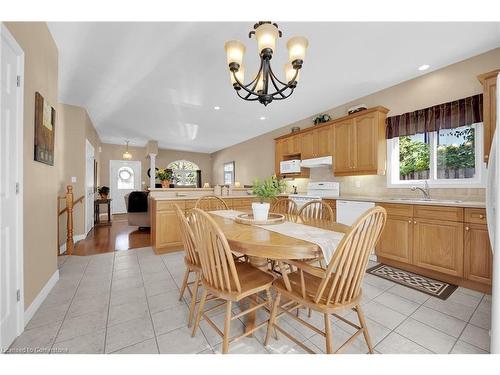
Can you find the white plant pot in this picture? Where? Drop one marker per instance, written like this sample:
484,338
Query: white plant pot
260,211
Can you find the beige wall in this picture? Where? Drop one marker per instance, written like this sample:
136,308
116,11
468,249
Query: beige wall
40,180
255,157
74,128
164,157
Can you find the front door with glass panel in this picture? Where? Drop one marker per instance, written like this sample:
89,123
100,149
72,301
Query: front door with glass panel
124,177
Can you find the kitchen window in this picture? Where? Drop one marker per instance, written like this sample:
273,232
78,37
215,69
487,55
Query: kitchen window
185,173
443,158
229,173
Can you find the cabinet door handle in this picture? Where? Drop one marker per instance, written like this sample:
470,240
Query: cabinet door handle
409,221
481,216
467,228
414,222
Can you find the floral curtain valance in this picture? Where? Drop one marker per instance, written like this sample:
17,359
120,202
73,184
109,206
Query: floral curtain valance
449,115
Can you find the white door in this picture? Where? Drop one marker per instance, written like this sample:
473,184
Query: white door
11,306
124,177
89,186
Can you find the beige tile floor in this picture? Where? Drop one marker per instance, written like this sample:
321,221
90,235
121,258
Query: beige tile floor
127,302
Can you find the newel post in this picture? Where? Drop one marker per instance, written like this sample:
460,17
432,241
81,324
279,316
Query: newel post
69,205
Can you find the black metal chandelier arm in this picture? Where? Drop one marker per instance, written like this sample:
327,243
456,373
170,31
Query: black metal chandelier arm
278,91
276,78
247,97
287,85
286,96
250,91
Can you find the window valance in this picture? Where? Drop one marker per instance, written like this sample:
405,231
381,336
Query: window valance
449,115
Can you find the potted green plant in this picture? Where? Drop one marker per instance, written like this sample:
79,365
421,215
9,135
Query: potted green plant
103,191
265,190
165,176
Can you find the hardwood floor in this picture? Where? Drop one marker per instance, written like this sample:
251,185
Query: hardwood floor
116,237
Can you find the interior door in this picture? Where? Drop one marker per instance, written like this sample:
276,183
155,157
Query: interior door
124,177
9,199
89,186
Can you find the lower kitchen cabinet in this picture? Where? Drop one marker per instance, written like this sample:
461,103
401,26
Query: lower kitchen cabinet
445,243
478,258
438,246
396,239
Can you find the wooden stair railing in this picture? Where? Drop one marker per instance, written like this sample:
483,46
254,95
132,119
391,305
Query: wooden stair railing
70,204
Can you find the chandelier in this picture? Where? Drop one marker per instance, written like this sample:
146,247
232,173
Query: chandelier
127,155
266,86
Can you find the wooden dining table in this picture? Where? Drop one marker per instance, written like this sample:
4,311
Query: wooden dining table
261,245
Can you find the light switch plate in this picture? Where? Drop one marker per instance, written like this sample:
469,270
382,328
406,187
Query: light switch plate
357,183
73,179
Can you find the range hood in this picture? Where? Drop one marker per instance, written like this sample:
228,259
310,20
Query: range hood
317,162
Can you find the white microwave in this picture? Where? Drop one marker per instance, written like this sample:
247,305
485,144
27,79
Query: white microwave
290,166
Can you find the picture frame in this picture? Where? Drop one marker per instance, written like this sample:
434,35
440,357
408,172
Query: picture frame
45,119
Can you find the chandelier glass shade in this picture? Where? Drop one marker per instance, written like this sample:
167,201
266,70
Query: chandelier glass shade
127,155
266,86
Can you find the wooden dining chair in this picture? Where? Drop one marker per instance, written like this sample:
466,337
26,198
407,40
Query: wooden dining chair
287,207
226,279
192,262
336,288
315,211
211,203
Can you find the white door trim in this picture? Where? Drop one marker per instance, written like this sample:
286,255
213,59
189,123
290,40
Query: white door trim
88,147
7,36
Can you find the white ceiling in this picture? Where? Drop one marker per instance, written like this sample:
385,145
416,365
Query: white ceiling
142,81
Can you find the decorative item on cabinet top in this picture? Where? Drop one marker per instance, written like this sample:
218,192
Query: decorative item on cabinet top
320,119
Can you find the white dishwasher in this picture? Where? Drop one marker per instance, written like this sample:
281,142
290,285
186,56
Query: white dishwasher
349,211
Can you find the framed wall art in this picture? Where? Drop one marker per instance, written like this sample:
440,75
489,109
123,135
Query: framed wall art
45,121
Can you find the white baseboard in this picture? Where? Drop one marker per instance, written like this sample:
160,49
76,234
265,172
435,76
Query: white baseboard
37,302
76,238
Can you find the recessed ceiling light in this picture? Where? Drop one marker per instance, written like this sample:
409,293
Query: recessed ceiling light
424,67
262,118
216,107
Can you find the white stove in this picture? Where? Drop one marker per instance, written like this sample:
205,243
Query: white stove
316,191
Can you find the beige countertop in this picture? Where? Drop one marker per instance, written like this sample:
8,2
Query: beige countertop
409,200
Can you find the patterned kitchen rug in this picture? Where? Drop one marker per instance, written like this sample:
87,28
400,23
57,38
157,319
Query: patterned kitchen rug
423,284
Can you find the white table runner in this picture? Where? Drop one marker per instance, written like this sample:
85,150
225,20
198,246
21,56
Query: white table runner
327,240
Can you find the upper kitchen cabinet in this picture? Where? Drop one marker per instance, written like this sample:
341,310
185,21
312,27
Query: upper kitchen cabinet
356,142
360,144
489,82
317,142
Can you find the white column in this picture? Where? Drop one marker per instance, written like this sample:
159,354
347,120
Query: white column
152,166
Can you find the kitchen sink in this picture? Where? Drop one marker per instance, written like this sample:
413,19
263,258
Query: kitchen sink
444,201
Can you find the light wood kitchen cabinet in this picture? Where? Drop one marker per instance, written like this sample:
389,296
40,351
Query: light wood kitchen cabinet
317,143
342,160
396,241
438,245
165,226
442,242
356,142
360,144
489,82
291,145
478,258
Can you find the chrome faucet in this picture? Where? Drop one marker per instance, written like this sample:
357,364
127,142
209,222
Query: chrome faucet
425,191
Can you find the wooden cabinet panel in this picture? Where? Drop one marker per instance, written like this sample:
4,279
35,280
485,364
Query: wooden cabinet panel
475,215
278,155
170,205
324,141
438,246
291,145
365,143
242,204
342,160
168,232
396,239
478,258
393,209
439,213
489,81
307,145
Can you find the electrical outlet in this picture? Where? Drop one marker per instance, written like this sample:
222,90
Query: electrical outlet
73,179
357,183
